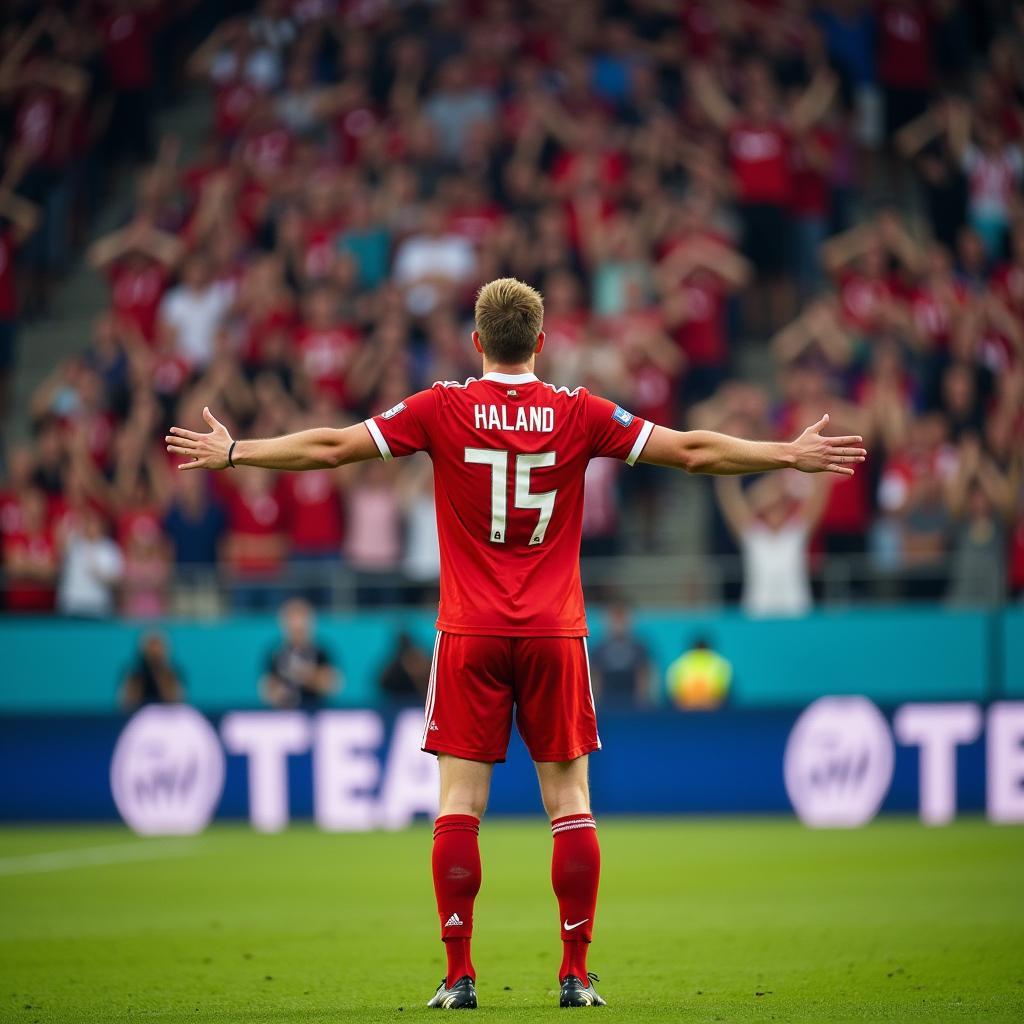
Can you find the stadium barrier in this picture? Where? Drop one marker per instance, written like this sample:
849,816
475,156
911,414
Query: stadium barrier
665,579
169,770
888,654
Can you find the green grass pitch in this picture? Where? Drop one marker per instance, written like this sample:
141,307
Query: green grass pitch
700,920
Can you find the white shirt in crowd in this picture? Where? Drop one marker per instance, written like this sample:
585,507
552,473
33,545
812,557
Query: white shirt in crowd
261,69
422,562
452,115
374,537
195,316
993,179
89,574
424,256
775,572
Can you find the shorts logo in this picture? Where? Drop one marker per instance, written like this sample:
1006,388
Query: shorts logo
394,411
622,417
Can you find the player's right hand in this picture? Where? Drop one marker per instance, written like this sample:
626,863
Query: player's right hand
205,451
817,454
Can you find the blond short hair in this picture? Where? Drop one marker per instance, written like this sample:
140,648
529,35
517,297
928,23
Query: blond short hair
509,316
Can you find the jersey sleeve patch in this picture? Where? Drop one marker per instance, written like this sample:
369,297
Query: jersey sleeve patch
405,427
622,417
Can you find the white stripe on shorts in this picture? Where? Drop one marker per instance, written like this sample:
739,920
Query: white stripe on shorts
590,684
428,708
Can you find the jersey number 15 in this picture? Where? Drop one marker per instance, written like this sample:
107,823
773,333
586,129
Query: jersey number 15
525,464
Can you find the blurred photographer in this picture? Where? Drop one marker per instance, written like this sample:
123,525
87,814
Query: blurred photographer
299,672
152,679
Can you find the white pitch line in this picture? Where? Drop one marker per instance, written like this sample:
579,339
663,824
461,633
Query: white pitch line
95,856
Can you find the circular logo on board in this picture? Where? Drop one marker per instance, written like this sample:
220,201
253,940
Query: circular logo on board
839,762
167,772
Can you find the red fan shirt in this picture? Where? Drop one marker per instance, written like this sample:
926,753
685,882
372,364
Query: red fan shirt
313,511
564,332
8,298
137,523
255,518
702,335
702,28
1016,560
266,153
128,40
25,594
12,516
1008,281
477,223
321,246
36,120
136,290
327,356
759,158
510,453
234,101
905,46
811,194
931,313
861,299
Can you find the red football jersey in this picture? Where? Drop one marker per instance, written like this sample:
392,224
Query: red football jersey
510,453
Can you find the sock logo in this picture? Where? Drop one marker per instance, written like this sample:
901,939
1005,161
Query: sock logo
569,927
456,922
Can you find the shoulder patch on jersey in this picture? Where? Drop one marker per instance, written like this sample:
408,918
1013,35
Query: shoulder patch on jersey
622,417
393,411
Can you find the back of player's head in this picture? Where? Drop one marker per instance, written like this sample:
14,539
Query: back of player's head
509,317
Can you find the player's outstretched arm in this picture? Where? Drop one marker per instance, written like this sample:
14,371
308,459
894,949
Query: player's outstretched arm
705,451
320,448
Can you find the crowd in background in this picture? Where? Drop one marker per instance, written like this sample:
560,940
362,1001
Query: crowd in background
81,85
828,193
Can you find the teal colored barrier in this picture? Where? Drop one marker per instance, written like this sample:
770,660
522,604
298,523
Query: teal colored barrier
1011,640
50,664
890,655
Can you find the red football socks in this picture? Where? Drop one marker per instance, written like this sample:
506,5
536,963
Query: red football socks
575,874
456,866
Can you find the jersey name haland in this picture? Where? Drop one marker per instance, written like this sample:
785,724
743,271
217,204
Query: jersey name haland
540,418
510,453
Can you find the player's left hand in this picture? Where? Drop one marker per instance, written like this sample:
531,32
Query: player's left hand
818,454
207,451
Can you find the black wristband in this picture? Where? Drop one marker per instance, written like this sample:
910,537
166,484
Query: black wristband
231,451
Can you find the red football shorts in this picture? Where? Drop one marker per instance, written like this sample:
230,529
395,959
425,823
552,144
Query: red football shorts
477,681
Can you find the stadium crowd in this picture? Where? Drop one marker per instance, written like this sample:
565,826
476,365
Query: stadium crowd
831,192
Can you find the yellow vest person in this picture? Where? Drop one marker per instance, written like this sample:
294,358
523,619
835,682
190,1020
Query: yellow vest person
699,679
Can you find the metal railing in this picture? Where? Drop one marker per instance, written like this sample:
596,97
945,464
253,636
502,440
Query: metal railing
665,580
